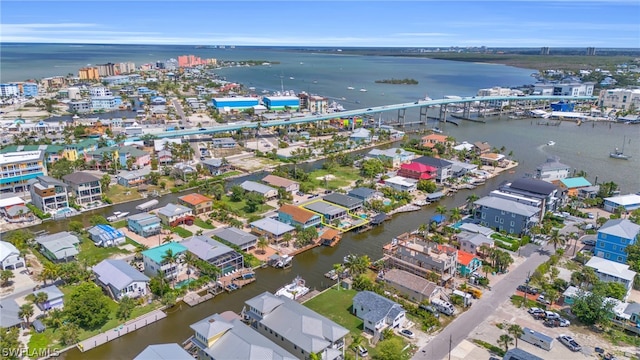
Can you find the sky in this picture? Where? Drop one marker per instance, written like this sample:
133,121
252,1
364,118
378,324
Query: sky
515,23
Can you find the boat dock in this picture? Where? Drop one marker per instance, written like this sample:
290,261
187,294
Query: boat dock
404,208
235,280
124,329
193,299
308,296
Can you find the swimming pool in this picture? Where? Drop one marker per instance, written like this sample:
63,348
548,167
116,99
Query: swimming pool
183,283
64,211
386,202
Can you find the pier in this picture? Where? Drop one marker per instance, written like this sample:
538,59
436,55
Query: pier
193,299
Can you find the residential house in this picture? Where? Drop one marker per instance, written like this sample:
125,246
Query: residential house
106,235
14,209
165,144
412,253
613,238
481,147
431,140
266,191
589,192
223,143
525,190
10,258
519,354
329,212
360,135
471,242
611,271
119,279
216,166
492,159
10,314
418,171
243,240
144,224
174,215
400,183
55,298
468,263
85,187
197,202
164,157
377,312
289,186
295,327
627,202
507,215
414,287
573,185
225,336
444,167
392,156
460,169
182,170
62,246
552,170
350,203
364,194
215,253
270,228
140,158
164,352
48,194
297,216
133,178
155,261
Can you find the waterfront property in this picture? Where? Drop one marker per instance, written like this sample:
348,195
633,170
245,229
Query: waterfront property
58,247
430,141
174,215
611,271
119,279
10,258
216,166
552,170
17,168
547,195
225,336
55,298
364,194
295,327
144,224
272,229
573,185
471,242
329,212
468,263
156,260
627,202
85,187
164,352
613,238
350,203
243,240
197,202
393,156
106,235
281,102
48,194
444,167
400,183
289,186
297,216
414,287
133,178
215,253
228,104
377,312
266,191
501,214
14,209
418,171
360,135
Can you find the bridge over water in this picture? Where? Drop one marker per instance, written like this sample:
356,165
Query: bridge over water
422,105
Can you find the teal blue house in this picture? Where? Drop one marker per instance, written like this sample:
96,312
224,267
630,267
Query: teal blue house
468,263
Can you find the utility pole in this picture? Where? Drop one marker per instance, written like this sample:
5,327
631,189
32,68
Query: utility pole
450,343
527,288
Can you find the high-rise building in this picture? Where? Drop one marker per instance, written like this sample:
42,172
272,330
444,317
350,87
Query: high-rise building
591,51
126,67
9,90
544,50
107,69
29,89
89,73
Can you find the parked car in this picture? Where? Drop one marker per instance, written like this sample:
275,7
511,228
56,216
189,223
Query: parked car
535,310
569,342
528,289
591,216
589,242
543,300
551,315
564,322
407,333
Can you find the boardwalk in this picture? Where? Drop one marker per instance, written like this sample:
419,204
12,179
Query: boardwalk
124,329
193,299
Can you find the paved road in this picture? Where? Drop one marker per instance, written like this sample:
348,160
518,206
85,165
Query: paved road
180,112
461,327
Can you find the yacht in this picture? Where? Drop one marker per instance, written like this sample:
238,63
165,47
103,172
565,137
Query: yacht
350,88
363,90
117,215
551,143
291,78
296,289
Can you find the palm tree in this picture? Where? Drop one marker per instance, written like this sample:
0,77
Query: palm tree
49,272
516,331
441,210
339,269
486,269
357,264
41,298
262,244
356,342
190,260
26,312
455,215
505,340
170,258
471,199
557,239
167,239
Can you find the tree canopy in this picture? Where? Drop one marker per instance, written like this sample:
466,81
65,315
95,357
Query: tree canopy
87,306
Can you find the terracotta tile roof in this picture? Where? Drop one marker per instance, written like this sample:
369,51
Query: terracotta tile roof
464,257
329,234
298,214
194,199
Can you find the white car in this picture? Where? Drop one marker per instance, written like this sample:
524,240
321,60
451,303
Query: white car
407,333
564,322
569,342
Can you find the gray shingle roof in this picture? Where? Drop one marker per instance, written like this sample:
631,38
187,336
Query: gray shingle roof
620,227
507,205
206,248
362,192
80,177
164,352
343,200
9,311
234,236
256,187
431,161
117,273
380,307
173,210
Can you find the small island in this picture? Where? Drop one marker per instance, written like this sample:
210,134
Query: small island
398,81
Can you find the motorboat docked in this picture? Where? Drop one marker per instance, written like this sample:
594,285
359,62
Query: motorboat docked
551,143
117,215
436,130
294,290
350,88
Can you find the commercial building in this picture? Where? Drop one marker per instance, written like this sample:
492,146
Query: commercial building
48,194
281,102
9,90
564,89
88,73
85,187
614,237
80,106
29,89
234,103
619,99
105,102
108,69
17,168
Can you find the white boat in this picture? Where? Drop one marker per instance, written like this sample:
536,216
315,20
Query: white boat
436,130
619,154
117,215
265,91
350,88
291,78
294,290
363,90
551,143
252,88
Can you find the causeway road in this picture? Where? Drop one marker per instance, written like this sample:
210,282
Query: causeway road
458,330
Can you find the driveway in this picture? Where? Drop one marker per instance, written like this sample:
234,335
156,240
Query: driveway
461,327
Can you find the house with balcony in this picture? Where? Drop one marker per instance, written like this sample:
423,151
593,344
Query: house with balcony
468,263
224,336
119,279
327,211
17,168
350,203
506,215
414,287
364,194
430,141
232,235
48,194
10,258
14,209
548,196
611,271
133,178
85,187
572,186
144,224
197,202
55,298
412,253
443,167
287,185
215,253
400,183
393,156
613,238
216,166
297,216
266,191
174,215
59,247
296,328
106,235
418,171
271,229
552,170
471,241
155,260
377,312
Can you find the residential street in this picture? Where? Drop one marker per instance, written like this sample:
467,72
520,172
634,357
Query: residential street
462,326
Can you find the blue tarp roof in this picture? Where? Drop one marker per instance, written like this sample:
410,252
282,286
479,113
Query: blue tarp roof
438,218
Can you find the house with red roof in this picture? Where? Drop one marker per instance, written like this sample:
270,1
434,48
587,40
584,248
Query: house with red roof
418,171
468,263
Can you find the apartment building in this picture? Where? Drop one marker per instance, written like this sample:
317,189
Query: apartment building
619,98
48,194
17,168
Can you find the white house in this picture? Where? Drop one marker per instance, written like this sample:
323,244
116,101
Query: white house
120,279
10,256
611,271
155,260
402,184
377,312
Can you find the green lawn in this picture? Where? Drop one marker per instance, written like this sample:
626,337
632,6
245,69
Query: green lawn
336,304
343,177
119,193
119,224
182,232
41,341
238,206
93,254
199,222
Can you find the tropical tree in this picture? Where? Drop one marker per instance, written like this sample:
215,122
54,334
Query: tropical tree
69,334
516,331
441,210
170,258
125,308
40,298
50,271
105,181
357,264
455,215
557,239
486,269
339,269
5,277
505,340
262,244
356,341
26,312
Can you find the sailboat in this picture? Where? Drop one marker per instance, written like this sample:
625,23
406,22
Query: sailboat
619,154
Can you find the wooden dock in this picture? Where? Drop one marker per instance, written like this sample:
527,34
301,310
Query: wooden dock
308,296
121,330
193,299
